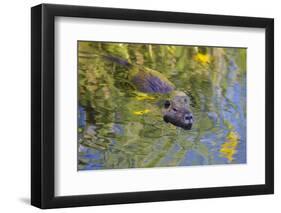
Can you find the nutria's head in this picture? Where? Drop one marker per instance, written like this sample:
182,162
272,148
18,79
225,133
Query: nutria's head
177,111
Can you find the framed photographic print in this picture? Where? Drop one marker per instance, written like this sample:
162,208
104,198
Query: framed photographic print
139,106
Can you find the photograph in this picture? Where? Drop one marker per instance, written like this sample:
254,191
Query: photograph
144,105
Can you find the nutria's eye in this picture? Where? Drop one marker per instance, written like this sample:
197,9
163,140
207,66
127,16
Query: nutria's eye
174,109
167,104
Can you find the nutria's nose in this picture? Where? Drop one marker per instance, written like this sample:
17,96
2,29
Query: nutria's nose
188,118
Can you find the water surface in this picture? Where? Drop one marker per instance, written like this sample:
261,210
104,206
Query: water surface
120,127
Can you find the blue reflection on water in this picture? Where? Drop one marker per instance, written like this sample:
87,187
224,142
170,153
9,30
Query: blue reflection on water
192,157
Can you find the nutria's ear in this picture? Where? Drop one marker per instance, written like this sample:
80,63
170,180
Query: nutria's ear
167,104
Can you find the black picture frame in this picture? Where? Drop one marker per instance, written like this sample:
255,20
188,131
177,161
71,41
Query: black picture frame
43,102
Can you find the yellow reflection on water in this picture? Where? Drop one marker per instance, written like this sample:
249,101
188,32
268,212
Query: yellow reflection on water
228,148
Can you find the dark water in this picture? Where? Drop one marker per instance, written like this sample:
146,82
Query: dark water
123,128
